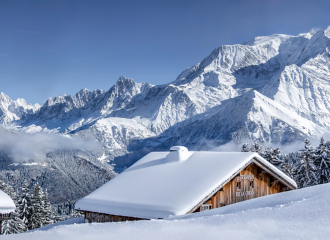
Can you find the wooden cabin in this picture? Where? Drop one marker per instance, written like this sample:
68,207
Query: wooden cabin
7,207
252,182
178,182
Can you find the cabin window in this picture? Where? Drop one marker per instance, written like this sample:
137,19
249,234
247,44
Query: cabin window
238,185
251,184
205,207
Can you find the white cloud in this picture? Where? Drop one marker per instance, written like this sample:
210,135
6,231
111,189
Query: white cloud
21,146
285,149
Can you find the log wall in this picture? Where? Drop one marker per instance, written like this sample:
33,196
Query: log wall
102,217
250,183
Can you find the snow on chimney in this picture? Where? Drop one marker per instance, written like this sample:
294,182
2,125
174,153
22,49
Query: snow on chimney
178,154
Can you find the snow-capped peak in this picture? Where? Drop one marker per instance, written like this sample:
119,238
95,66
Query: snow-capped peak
272,88
14,110
278,38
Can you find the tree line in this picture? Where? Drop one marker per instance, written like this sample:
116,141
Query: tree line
311,165
33,209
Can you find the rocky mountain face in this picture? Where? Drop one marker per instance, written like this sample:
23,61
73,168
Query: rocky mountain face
274,89
11,111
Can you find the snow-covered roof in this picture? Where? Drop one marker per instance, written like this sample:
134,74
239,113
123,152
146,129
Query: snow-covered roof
157,186
7,205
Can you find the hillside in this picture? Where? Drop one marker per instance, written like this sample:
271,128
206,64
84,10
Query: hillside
297,214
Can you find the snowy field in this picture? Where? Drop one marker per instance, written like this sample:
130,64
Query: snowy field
299,214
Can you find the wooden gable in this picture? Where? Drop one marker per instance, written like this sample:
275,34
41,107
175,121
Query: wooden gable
252,182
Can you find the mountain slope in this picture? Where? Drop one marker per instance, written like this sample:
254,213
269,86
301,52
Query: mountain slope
250,116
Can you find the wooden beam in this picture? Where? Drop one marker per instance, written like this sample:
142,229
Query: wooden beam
273,183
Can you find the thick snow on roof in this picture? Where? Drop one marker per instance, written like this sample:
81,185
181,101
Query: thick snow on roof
157,186
7,205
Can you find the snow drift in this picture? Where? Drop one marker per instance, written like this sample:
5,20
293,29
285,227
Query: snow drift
298,214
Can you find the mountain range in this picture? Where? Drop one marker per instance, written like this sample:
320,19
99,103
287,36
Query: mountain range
272,89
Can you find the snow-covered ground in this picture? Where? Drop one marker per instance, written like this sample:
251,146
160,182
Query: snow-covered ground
70,221
299,214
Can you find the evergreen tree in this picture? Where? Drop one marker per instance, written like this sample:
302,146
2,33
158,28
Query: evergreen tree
271,155
13,225
245,148
47,210
56,217
256,148
3,186
75,214
322,162
5,227
25,206
306,170
37,208
289,169
12,194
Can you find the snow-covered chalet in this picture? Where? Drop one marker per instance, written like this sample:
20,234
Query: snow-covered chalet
178,182
7,207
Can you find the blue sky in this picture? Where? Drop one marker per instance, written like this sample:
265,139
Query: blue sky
48,48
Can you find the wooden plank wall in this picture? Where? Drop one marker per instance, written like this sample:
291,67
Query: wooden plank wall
5,216
254,182
102,217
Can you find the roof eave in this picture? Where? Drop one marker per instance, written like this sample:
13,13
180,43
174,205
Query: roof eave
273,173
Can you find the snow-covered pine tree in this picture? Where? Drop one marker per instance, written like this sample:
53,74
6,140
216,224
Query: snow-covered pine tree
289,169
5,227
25,206
56,217
15,224
271,155
37,207
47,210
267,153
12,194
76,214
306,170
3,186
256,148
245,148
322,162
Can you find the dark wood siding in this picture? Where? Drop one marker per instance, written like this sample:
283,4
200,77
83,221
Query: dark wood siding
5,216
250,183
102,217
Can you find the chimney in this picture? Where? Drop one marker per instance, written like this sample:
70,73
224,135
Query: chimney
178,154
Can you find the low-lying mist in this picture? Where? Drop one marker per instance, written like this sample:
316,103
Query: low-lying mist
284,148
23,147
